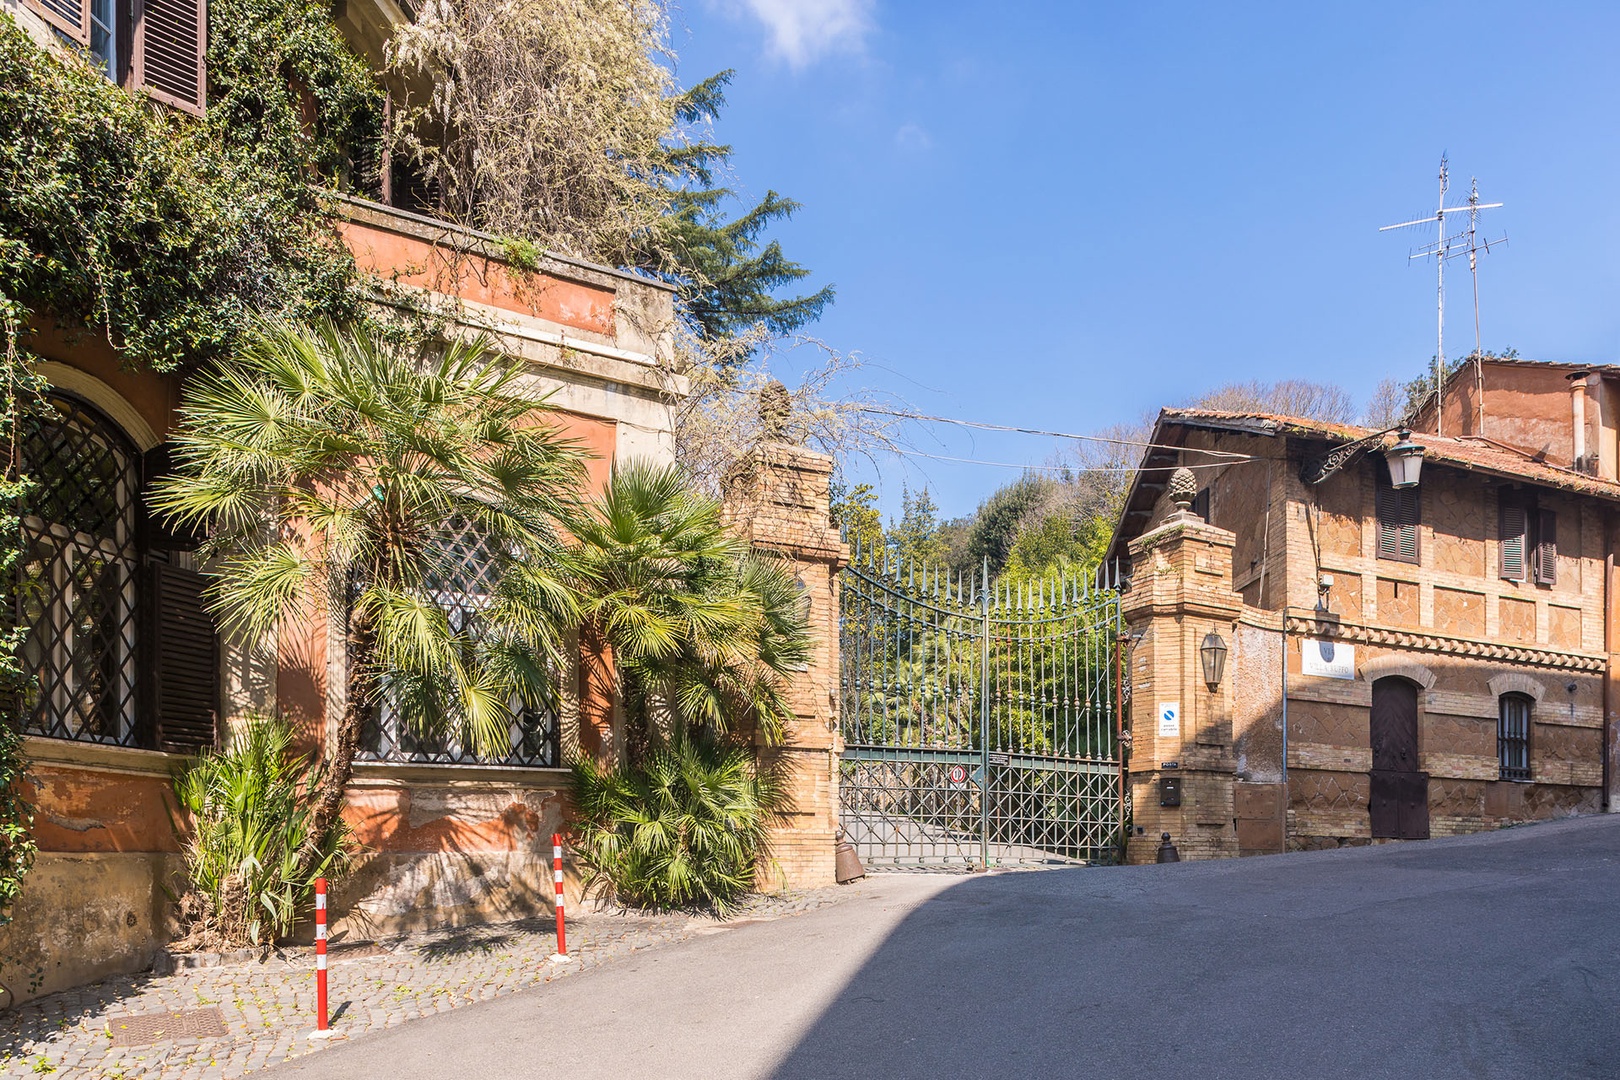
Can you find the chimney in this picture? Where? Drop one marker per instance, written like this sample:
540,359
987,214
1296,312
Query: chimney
1577,404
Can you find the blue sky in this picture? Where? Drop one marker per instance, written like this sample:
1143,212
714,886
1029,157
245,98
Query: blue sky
1063,215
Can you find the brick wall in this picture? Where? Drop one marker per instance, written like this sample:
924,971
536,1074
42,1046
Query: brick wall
1449,623
780,502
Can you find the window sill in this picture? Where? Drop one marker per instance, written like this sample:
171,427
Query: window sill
388,773
41,750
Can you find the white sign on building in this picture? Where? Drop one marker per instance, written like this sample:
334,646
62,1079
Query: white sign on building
1170,719
1327,658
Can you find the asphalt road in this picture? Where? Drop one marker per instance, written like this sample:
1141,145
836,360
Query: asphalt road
1489,956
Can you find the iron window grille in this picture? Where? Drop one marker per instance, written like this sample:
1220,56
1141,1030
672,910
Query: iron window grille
1513,737
75,589
463,589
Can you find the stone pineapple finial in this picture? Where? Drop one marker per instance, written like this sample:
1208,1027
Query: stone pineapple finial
1183,488
775,410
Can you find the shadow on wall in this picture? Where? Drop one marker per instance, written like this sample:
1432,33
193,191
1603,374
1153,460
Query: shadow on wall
442,856
1325,964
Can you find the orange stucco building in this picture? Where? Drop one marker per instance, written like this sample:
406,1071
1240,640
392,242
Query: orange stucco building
446,837
130,678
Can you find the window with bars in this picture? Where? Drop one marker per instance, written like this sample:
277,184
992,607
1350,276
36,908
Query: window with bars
462,585
1513,736
118,646
75,591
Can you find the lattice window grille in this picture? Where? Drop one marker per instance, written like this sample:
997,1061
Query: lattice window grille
75,590
463,586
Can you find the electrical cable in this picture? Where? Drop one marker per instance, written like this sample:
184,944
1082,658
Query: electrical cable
984,426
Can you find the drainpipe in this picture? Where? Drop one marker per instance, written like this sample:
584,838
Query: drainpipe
1286,799
1609,644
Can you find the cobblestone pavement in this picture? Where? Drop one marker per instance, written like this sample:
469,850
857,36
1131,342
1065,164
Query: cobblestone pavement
268,1007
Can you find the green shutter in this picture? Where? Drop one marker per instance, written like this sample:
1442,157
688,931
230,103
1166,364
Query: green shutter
1511,530
1546,555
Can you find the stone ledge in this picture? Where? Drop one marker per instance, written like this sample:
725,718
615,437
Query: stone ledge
101,757
395,773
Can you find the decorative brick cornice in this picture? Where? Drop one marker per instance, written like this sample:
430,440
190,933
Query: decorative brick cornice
1420,641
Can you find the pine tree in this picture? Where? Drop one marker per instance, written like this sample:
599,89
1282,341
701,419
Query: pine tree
915,538
728,281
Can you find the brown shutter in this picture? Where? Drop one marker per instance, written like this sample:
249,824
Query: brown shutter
171,42
1397,513
72,17
1546,560
1510,537
184,654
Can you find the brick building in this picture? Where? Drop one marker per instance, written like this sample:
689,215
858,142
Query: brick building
1399,663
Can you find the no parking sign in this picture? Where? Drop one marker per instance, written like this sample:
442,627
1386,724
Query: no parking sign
957,774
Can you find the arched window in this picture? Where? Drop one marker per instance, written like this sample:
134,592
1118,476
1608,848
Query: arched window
75,587
1513,736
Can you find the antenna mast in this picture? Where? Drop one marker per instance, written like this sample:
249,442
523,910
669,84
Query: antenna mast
1449,247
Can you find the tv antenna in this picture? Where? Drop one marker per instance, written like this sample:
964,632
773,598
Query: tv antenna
1447,247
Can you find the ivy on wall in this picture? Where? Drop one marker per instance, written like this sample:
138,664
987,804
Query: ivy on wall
165,234
160,231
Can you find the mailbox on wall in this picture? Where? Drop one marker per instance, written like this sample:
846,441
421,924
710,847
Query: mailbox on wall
1169,791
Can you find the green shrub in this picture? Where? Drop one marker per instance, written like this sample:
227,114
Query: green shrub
250,807
686,828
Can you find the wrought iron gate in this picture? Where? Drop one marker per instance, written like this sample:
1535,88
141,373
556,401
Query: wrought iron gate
980,718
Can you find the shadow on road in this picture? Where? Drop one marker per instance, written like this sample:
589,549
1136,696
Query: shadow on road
1486,956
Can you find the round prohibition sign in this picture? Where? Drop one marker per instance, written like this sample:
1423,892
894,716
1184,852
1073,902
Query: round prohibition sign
957,774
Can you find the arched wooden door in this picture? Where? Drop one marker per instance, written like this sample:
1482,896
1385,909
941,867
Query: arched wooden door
1399,792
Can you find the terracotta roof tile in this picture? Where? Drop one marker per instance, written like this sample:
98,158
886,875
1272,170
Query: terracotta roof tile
1468,452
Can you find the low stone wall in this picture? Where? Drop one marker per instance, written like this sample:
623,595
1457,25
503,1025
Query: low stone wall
85,916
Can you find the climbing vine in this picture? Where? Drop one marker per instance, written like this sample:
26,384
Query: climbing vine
165,233
17,846
162,231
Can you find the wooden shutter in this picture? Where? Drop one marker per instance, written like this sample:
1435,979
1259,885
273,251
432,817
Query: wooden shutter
1512,520
1546,554
1397,512
184,671
159,533
72,17
171,43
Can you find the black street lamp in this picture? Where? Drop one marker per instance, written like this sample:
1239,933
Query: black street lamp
1213,654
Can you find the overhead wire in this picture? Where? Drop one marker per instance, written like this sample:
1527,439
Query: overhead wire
1125,470
906,414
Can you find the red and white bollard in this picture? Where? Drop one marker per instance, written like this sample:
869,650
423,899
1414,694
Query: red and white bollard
322,1029
561,955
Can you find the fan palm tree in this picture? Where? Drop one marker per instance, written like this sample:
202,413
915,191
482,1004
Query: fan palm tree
413,494
705,631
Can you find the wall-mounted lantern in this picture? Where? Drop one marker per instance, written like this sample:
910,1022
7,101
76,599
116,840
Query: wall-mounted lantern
1213,653
1405,460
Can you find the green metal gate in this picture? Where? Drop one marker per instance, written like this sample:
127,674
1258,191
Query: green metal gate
980,718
